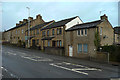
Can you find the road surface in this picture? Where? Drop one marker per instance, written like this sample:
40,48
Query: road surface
26,63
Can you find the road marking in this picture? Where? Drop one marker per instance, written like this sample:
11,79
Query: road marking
92,69
36,58
73,64
69,69
11,53
78,70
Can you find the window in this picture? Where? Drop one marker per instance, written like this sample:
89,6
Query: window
22,31
60,31
37,41
85,32
57,31
34,32
81,32
85,48
78,32
53,31
79,48
16,31
48,43
37,31
100,30
60,43
47,32
43,33
57,43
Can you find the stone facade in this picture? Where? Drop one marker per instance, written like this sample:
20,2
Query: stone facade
17,33
85,41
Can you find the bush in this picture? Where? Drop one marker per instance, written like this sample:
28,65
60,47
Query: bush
114,51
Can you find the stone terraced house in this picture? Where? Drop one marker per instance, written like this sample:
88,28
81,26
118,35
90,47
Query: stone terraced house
69,37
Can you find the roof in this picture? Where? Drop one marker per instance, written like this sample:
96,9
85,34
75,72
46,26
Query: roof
117,30
85,25
40,25
17,26
59,23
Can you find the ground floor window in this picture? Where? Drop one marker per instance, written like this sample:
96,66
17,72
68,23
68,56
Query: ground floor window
82,48
37,41
79,48
59,43
85,48
48,43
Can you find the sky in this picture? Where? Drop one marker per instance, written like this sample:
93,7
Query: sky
13,12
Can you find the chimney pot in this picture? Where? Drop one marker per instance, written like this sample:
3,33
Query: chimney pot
104,17
20,22
17,24
39,16
30,18
24,20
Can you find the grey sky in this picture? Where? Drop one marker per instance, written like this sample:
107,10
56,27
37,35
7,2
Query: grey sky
13,12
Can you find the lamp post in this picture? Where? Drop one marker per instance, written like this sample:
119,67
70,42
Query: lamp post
28,37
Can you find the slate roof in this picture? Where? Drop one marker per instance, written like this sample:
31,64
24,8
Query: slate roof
117,30
17,26
85,25
59,23
40,25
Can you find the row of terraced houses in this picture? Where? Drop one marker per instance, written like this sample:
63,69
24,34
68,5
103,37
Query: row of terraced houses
70,37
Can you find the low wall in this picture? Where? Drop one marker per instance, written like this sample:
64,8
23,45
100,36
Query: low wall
55,50
101,56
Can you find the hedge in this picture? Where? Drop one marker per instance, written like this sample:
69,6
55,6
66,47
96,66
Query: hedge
114,51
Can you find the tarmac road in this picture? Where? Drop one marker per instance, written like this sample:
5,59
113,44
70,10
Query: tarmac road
26,63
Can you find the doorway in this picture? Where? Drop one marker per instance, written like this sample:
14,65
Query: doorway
70,51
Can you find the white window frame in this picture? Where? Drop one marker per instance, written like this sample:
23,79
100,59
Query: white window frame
77,48
81,32
77,32
100,30
22,31
86,32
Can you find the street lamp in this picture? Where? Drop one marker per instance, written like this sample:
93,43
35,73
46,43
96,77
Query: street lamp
28,26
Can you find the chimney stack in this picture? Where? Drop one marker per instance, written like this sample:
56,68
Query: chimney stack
17,24
104,17
38,16
20,22
24,20
30,18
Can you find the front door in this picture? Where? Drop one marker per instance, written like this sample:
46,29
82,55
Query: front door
33,43
70,51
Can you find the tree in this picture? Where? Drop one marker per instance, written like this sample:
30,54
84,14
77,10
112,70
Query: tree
97,40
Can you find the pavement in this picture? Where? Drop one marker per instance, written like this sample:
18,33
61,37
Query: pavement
26,63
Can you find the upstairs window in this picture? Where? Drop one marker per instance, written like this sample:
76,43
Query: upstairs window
60,31
85,32
37,31
43,33
57,31
34,32
47,32
53,31
100,30
16,31
81,32
22,31
78,32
